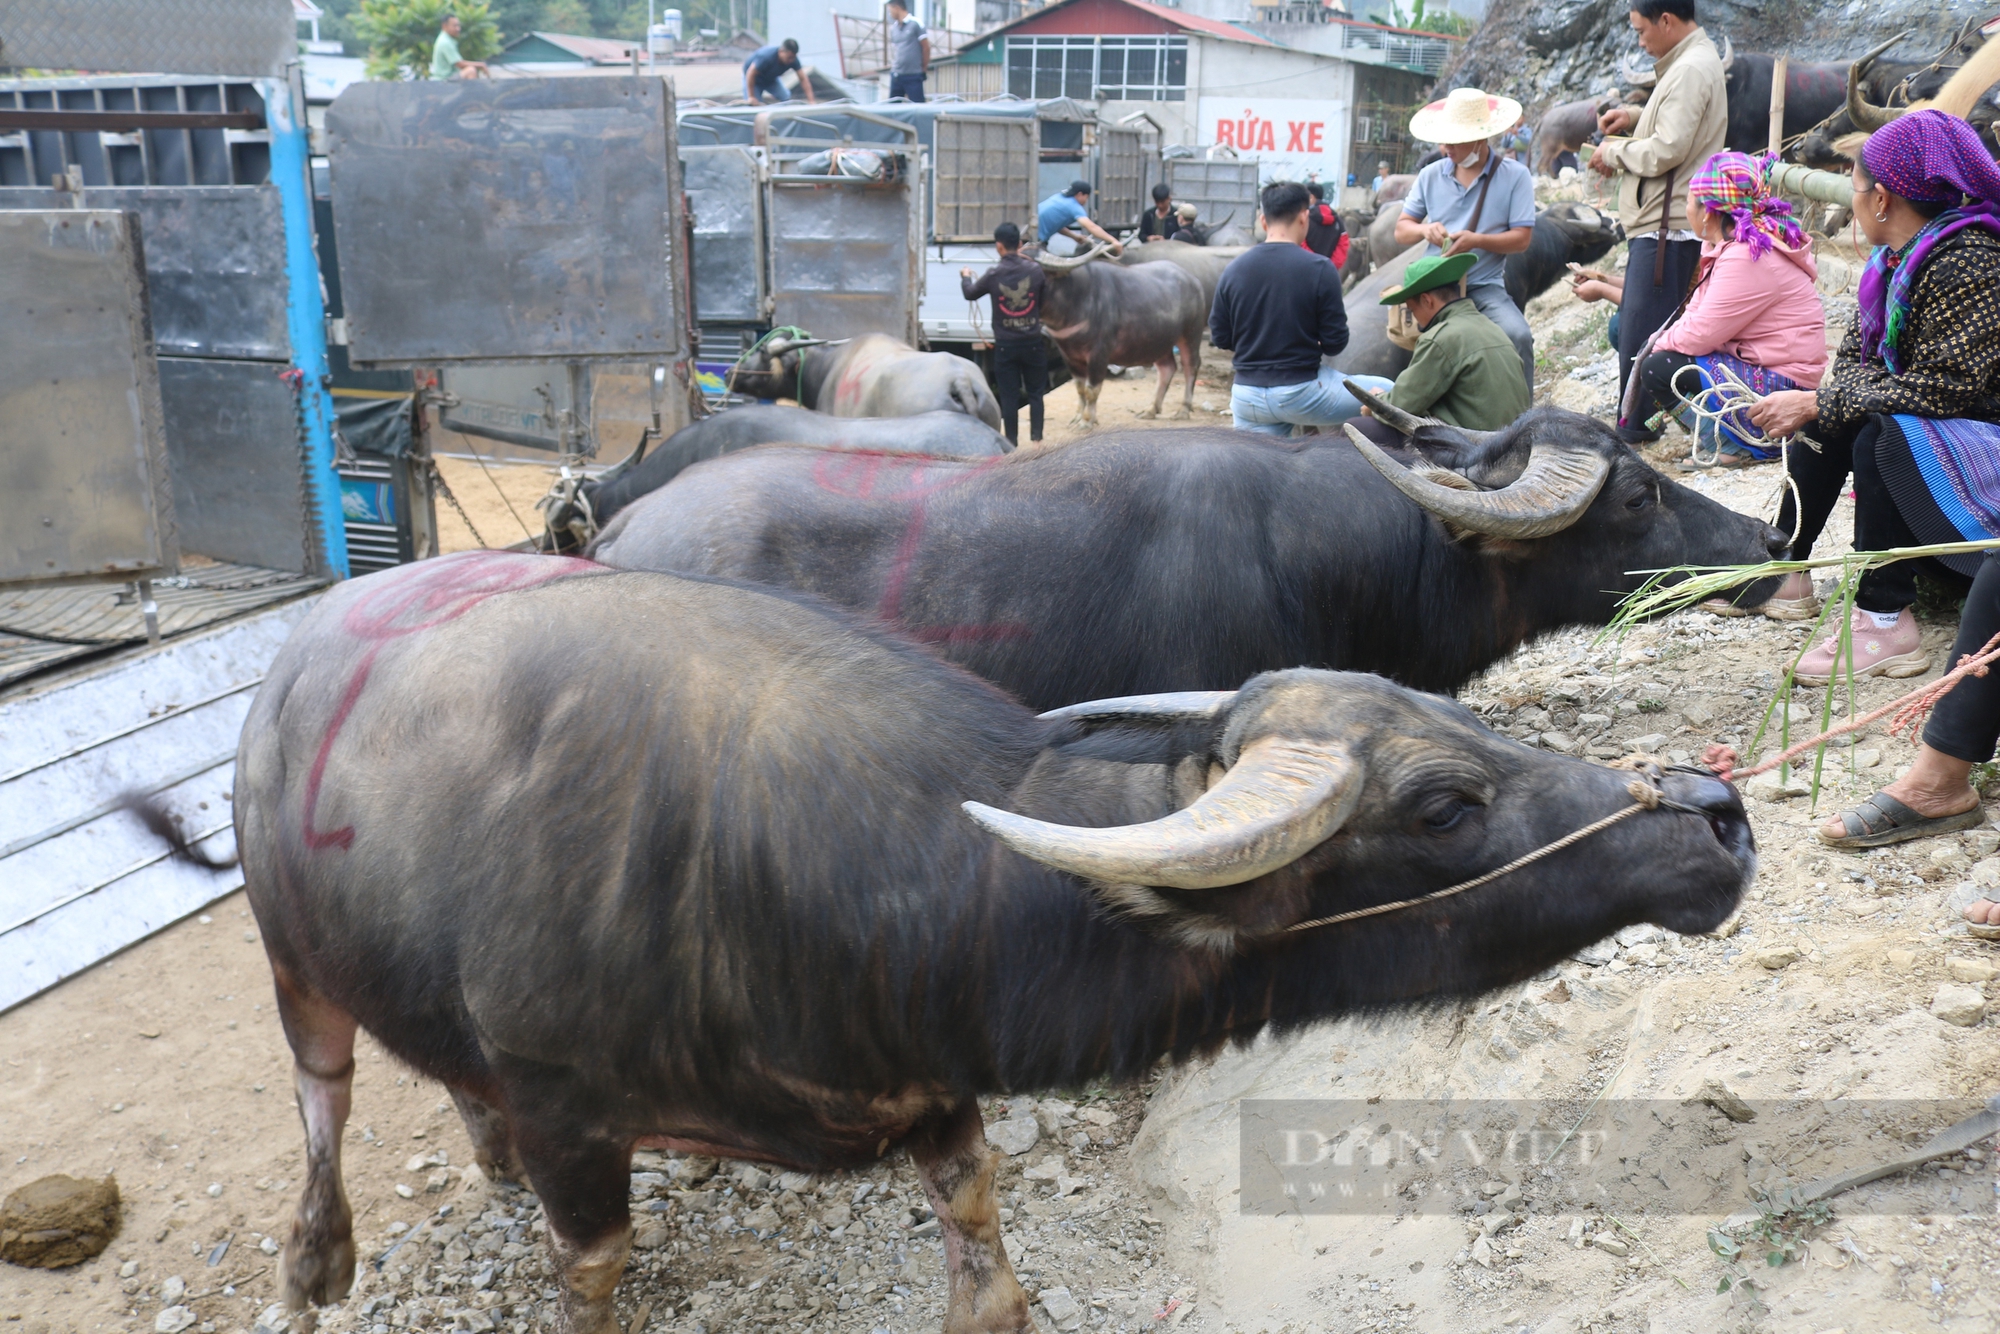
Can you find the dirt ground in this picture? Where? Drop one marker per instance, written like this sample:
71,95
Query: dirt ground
165,1067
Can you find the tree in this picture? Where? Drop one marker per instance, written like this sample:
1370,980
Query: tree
400,34
567,16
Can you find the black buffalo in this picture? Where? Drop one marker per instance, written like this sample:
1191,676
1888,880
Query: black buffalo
872,375
598,499
1878,91
1101,313
1146,561
750,878
1812,93
1566,233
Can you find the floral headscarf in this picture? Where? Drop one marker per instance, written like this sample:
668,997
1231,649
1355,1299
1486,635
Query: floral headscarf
1931,157
1740,185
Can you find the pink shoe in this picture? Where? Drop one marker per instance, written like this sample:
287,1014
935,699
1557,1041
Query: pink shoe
1895,652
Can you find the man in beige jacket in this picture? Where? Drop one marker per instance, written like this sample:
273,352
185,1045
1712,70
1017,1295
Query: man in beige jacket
1681,126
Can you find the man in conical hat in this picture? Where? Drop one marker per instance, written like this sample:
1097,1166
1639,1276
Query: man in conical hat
1473,201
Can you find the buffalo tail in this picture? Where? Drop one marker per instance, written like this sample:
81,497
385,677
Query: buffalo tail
158,819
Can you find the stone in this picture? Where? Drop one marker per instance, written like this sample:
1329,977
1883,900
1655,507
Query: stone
1643,956
173,1290
1640,933
1986,873
835,1215
1972,972
1053,1115
763,1221
1065,1312
1097,1116
1650,744
173,1320
1014,1136
1867,758
1774,957
1963,896
1697,715
1982,843
1482,1252
650,1236
1593,722
1610,1245
1559,743
1726,1100
58,1221
1901,960
405,1192
1960,1005
1598,954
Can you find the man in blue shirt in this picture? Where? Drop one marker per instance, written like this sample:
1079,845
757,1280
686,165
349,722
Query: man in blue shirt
766,66
910,57
1065,214
1474,200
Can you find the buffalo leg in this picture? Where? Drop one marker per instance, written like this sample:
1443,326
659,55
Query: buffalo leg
1086,401
957,1170
492,1138
583,1177
318,1263
1165,366
1190,363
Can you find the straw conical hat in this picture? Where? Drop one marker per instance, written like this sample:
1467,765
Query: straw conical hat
1465,116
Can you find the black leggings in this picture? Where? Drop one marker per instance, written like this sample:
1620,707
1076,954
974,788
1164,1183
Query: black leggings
1967,721
1656,381
1878,524
1021,372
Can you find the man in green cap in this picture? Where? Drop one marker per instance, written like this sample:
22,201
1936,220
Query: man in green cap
1464,370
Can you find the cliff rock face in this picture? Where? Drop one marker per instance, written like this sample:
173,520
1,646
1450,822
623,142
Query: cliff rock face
1548,51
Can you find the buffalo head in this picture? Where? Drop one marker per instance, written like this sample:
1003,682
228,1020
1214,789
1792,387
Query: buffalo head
1309,794
1561,477
771,369
1878,93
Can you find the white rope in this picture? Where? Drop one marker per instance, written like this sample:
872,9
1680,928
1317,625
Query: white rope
1730,395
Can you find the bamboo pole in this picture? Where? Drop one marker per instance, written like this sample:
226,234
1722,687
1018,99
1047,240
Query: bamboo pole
1779,70
1789,178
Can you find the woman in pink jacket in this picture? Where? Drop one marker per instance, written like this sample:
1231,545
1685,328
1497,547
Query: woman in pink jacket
1752,318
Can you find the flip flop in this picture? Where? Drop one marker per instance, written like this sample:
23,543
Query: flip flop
1882,820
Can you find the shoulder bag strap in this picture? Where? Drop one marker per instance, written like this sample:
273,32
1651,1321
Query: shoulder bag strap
1660,244
1479,204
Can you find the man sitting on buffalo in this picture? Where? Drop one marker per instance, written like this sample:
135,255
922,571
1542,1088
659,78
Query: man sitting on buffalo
1020,356
1473,200
1066,214
1278,309
1463,370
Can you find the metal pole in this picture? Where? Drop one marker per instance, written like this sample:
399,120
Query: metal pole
1779,70
305,314
651,62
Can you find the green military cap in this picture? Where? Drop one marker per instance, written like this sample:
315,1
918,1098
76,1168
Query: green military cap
1429,272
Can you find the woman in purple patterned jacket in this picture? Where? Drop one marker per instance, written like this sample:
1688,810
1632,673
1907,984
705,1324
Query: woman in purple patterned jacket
1912,407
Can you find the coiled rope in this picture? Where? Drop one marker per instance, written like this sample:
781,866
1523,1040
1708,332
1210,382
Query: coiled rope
1714,404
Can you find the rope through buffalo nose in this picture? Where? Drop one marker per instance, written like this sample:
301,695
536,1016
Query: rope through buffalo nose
1645,794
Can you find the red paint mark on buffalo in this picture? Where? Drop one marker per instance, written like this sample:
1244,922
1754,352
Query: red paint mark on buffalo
416,598
867,474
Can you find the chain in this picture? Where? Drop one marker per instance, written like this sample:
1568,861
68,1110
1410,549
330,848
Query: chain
444,489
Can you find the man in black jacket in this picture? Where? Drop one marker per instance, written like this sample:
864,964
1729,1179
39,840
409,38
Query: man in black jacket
1020,357
1278,309
1158,223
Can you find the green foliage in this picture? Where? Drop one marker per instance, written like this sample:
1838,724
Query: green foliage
1779,1232
400,34
1444,22
567,16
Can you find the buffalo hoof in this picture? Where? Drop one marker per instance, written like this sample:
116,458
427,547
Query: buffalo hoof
1147,414
1182,415
316,1274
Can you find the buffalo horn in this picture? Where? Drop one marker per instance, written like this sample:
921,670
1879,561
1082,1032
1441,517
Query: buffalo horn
1061,264
1632,74
1728,53
1551,493
1174,706
1388,413
1865,114
1281,799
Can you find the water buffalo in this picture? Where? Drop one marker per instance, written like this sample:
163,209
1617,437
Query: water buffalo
1571,232
870,376
1567,127
1144,561
1878,91
1394,188
598,499
1812,93
1382,232
1202,263
1100,313
754,879
1360,246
